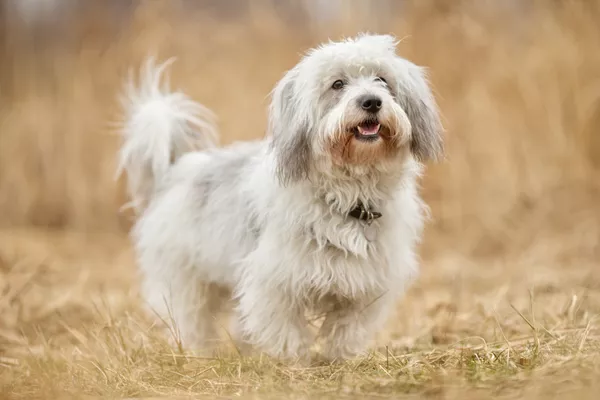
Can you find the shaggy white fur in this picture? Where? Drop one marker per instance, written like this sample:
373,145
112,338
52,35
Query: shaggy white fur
264,227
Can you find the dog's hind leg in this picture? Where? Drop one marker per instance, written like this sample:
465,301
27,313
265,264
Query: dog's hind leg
189,308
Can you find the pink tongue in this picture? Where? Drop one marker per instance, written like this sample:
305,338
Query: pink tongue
371,129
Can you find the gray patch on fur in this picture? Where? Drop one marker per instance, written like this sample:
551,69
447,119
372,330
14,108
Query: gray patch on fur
254,228
225,171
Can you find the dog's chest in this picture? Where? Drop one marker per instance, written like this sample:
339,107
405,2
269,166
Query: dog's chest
344,260
347,236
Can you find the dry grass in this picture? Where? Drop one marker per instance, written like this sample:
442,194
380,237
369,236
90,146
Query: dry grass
71,326
509,298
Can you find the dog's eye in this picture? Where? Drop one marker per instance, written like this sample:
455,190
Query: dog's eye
337,85
380,79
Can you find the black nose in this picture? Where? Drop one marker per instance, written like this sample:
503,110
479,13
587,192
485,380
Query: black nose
371,104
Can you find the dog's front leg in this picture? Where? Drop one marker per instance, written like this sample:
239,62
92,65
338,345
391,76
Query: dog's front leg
274,324
350,325
270,297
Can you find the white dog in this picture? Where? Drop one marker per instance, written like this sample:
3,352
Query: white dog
322,216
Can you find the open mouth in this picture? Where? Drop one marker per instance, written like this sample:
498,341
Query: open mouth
367,131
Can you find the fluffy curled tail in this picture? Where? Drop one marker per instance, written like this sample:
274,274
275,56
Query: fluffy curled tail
160,126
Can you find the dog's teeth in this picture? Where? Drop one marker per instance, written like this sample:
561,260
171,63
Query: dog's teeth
369,130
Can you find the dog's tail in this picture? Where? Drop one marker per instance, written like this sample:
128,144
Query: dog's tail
160,126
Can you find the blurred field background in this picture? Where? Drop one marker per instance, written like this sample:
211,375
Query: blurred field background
508,300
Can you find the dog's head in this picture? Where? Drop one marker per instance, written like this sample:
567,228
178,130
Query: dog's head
350,105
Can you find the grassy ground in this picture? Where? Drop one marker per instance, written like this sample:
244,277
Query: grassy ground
71,324
508,301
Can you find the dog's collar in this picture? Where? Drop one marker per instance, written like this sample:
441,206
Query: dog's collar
362,213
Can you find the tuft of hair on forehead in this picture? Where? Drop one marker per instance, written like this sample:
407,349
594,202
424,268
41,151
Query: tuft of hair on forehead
373,43
385,42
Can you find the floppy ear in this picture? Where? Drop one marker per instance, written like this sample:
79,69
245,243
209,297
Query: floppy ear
289,129
418,102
